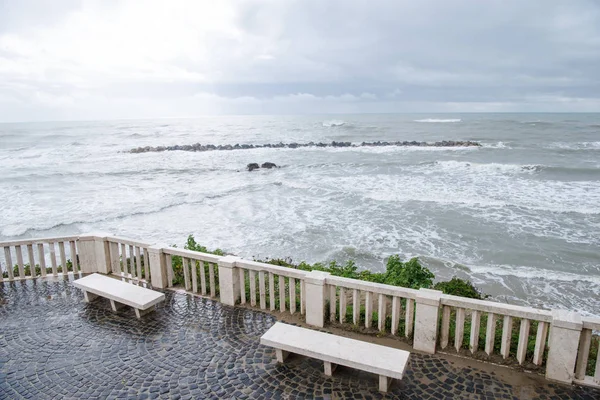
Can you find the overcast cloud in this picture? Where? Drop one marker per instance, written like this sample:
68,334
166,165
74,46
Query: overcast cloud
138,59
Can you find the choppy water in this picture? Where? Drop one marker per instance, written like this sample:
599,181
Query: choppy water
520,215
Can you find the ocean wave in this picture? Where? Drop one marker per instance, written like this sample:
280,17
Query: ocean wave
497,145
489,167
438,120
574,145
525,272
333,123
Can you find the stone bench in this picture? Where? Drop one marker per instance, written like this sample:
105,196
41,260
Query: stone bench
119,293
334,350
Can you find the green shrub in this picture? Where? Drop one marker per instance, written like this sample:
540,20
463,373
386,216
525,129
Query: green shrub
460,287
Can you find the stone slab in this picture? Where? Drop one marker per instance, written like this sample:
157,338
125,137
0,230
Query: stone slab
335,349
122,292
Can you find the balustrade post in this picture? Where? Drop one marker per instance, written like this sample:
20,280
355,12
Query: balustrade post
426,321
157,262
93,253
565,332
314,287
229,280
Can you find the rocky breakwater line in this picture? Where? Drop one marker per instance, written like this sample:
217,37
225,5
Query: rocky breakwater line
212,147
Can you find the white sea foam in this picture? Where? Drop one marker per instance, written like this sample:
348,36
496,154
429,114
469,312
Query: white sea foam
333,122
497,145
574,145
452,165
438,120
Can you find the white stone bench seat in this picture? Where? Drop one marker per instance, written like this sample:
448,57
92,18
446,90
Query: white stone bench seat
119,293
335,350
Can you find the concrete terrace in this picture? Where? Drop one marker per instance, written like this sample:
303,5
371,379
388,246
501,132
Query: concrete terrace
52,345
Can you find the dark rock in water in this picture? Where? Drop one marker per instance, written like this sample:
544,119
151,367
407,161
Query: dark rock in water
268,165
252,166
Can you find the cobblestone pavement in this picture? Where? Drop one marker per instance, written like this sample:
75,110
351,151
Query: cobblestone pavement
52,345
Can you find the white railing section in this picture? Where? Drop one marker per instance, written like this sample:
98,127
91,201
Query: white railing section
345,293
285,289
23,258
586,342
562,340
197,268
459,309
129,259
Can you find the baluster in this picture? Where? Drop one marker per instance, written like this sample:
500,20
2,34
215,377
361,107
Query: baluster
271,291
40,247
262,291
459,333
540,343
20,262
169,270
490,334
186,272
523,339
410,317
583,354
302,299
124,270
475,327
597,373
252,288
381,312
292,295
31,260
115,263
132,262
9,263
242,286
506,336
342,305
147,265
73,248
203,267
368,309
194,268
138,264
53,258
332,302
445,327
281,293
211,278
356,306
396,306
63,258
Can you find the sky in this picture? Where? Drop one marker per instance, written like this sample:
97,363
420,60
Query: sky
109,59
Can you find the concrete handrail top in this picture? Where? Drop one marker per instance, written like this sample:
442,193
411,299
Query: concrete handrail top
340,350
122,292
275,269
195,255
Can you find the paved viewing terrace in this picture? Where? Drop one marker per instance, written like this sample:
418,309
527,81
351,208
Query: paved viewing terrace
53,345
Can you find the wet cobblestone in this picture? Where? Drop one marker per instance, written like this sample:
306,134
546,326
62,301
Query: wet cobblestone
52,345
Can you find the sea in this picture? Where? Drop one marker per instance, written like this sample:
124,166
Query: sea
519,216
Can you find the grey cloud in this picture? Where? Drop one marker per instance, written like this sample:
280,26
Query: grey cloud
534,55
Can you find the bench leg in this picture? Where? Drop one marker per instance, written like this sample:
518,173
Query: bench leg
140,313
384,383
89,297
329,368
116,305
281,355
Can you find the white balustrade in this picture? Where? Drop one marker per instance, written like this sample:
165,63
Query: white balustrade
31,257
129,259
473,311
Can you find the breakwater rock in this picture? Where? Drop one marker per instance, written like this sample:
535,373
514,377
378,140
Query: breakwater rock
212,147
